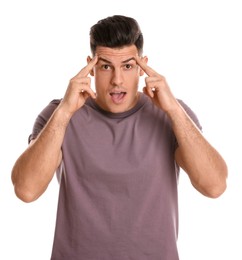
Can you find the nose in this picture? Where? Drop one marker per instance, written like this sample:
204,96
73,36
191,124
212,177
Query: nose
117,78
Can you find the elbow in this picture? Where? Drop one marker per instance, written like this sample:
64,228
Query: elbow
220,185
212,187
216,188
22,190
217,191
211,191
24,195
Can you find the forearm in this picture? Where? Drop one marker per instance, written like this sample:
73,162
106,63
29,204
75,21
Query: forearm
204,165
35,168
206,168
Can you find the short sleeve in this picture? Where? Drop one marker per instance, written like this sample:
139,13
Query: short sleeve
43,118
191,114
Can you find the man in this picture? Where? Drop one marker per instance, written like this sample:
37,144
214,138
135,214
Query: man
117,153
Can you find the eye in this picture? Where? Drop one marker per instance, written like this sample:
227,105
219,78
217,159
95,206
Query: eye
128,66
106,67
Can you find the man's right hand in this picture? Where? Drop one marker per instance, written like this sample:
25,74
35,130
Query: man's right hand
79,89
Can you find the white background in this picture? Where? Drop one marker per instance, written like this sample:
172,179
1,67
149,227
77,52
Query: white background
196,45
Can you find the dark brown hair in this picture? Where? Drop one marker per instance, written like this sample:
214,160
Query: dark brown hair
116,31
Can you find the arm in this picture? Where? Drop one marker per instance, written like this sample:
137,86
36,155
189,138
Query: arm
204,165
206,168
35,168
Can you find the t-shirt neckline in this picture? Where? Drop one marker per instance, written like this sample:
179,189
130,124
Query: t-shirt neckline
141,101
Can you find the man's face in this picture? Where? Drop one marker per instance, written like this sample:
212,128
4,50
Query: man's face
116,78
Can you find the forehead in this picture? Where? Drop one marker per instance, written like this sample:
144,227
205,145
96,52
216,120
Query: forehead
116,54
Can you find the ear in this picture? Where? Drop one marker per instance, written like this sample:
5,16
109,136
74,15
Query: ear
88,60
145,59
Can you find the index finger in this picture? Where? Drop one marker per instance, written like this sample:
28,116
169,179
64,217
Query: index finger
86,70
148,70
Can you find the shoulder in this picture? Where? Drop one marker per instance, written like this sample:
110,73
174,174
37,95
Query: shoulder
49,108
190,112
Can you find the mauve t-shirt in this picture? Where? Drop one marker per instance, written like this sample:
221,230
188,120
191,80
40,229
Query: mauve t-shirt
118,184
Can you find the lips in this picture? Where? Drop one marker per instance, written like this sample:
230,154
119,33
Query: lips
118,96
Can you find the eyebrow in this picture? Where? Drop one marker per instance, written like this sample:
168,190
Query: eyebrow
125,61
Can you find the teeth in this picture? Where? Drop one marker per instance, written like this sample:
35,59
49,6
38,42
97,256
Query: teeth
113,93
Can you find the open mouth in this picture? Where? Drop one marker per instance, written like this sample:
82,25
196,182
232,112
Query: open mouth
118,97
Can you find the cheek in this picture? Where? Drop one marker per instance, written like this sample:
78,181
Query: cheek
134,77
102,75
100,78
102,83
